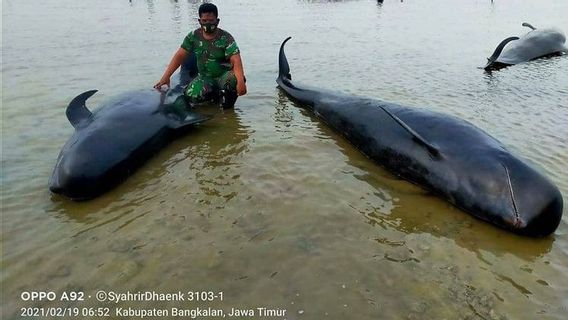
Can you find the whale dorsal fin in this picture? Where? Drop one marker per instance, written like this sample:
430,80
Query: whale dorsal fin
283,66
435,152
77,110
498,51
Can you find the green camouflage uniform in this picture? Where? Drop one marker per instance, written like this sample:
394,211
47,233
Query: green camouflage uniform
213,65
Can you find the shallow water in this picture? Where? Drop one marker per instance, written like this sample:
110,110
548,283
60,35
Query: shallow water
265,203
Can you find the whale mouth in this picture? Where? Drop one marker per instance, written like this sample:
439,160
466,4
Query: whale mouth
547,221
74,194
55,189
54,185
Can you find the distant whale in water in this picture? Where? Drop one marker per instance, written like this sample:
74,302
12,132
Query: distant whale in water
113,141
443,154
537,43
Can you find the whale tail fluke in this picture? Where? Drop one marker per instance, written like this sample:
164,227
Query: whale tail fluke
77,110
491,60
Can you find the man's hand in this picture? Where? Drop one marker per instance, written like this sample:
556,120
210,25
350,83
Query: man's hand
241,88
161,83
239,74
177,60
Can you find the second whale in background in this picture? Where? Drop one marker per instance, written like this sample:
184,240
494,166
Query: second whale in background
537,43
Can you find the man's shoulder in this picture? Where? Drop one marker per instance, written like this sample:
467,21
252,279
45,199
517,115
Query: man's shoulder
190,40
194,33
225,34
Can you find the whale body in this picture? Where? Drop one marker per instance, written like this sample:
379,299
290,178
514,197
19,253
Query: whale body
443,154
537,43
113,141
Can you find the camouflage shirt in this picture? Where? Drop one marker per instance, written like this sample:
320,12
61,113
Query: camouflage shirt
212,55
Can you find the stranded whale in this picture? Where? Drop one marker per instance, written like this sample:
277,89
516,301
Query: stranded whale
537,43
111,142
443,154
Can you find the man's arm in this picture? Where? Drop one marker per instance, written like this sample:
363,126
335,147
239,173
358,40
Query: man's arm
239,74
177,60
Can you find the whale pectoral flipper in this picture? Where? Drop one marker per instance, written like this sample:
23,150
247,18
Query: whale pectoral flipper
192,118
526,24
77,110
434,152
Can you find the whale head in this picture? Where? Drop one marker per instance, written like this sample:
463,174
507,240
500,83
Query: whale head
536,202
507,191
88,165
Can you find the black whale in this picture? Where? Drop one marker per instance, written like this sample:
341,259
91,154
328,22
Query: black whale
443,154
113,141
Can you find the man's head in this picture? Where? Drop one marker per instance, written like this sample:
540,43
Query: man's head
208,8
208,17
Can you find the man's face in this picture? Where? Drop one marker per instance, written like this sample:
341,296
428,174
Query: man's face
208,18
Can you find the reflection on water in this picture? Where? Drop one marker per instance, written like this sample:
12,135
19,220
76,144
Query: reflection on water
265,202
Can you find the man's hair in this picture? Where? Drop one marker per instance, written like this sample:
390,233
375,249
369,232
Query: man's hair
208,8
